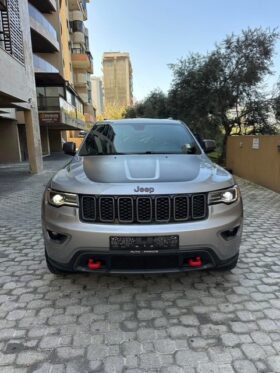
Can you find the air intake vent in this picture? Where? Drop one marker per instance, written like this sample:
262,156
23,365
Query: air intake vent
198,206
107,209
181,208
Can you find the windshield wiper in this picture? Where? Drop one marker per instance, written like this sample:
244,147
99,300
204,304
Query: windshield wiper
152,152
93,154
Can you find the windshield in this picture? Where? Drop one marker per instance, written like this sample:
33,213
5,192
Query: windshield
139,138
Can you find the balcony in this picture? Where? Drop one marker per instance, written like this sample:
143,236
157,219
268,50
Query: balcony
43,34
80,5
43,66
46,73
8,114
78,37
55,112
82,60
48,103
77,28
46,6
80,80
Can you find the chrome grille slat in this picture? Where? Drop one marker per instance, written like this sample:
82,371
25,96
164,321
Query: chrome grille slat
143,209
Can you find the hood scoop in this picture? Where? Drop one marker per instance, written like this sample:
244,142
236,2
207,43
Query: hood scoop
138,168
142,169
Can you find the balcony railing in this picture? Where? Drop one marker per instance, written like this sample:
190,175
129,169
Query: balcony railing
38,17
69,113
42,65
78,5
48,103
78,51
80,80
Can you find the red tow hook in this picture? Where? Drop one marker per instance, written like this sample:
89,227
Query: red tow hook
197,262
94,265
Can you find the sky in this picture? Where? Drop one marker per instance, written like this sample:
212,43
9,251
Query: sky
159,32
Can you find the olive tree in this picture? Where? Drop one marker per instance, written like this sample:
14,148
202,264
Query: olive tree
223,88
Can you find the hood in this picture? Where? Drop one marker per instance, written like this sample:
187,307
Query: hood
110,174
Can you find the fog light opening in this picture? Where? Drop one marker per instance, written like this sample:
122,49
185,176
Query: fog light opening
94,264
58,237
230,233
195,262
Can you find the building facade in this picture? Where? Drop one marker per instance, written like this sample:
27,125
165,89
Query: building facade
81,58
97,94
46,52
60,107
118,83
17,88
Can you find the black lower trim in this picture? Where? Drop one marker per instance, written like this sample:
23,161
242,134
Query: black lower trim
123,262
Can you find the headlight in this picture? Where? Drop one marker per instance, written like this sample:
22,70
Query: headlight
226,196
58,199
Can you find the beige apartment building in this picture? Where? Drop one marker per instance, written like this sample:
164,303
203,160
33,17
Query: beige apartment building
48,40
118,84
81,58
60,107
77,58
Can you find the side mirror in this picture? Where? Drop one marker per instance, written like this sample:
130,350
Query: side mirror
69,148
209,146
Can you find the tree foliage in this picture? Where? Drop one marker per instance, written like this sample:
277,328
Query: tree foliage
112,112
153,106
221,93
223,88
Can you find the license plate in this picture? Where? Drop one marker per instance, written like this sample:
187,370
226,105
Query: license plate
144,243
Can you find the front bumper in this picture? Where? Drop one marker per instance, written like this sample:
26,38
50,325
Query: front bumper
85,240
122,262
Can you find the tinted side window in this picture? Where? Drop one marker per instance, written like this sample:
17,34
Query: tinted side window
98,141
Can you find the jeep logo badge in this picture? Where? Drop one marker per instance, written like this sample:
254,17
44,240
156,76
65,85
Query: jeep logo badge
144,190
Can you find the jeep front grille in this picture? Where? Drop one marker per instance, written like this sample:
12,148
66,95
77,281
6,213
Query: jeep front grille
143,209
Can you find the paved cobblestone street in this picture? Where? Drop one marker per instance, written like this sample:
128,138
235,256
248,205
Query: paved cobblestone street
203,322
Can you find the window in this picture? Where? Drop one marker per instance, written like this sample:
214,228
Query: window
86,43
54,91
70,98
77,26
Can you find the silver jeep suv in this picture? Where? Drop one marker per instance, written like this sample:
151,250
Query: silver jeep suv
141,196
